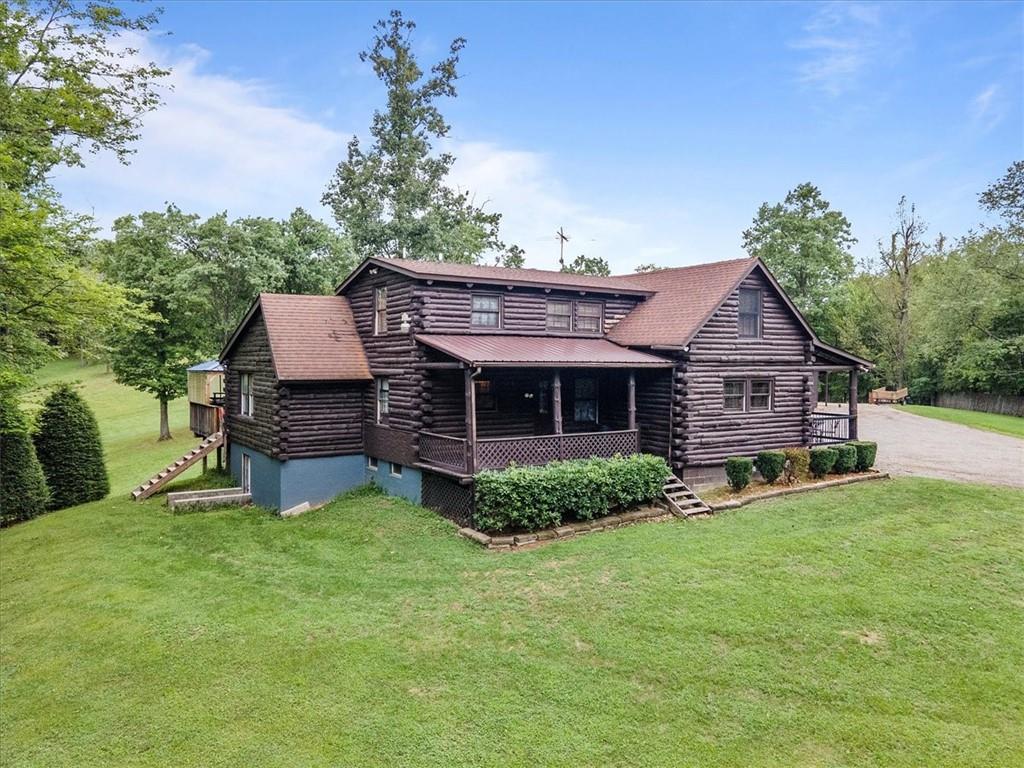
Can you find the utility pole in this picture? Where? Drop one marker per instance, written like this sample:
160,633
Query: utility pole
562,240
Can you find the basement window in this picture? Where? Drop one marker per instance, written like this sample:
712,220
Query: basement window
371,463
486,311
396,469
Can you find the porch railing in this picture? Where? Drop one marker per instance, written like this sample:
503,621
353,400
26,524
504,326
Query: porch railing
827,428
443,451
499,452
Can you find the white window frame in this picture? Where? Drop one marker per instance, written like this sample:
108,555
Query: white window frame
372,464
247,401
246,473
474,312
549,315
599,317
742,396
380,310
760,314
393,466
750,395
382,394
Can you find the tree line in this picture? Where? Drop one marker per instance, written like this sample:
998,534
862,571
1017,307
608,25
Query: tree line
165,288
935,314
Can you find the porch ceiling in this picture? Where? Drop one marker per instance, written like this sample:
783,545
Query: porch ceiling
539,351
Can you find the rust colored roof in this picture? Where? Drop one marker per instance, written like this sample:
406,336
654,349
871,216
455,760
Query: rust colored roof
539,351
312,338
686,297
442,270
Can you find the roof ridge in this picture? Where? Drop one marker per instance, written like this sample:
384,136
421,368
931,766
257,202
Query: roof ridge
688,266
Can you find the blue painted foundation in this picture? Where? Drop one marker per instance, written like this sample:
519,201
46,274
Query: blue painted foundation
283,484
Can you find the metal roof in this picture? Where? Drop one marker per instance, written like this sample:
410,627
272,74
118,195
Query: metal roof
207,365
478,273
539,351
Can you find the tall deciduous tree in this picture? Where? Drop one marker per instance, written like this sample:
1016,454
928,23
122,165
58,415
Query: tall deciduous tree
805,244
588,265
150,254
393,199
66,87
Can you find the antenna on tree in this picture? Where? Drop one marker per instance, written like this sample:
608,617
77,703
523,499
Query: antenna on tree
562,240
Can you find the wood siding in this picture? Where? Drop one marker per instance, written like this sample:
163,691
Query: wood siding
251,354
654,410
447,309
704,433
321,419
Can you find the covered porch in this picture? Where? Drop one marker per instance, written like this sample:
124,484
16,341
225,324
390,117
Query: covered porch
829,425
531,400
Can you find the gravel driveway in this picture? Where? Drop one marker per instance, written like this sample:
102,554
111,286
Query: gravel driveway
916,445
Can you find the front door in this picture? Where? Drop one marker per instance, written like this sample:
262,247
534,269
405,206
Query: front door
246,473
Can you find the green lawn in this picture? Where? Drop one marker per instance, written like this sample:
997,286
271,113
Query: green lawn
875,624
991,422
129,423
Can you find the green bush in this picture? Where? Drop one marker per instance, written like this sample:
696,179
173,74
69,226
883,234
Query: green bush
531,498
846,459
23,491
798,460
737,470
68,445
822,460
770,464
866,453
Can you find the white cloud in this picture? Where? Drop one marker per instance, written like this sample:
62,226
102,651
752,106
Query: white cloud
987,109
217,143
840,39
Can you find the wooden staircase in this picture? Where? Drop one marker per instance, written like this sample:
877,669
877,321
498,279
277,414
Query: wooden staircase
683,502
171,471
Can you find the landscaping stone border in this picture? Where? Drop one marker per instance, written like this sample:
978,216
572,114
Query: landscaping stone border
721,506
568,531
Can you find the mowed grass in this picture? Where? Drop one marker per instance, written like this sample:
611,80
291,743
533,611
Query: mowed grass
129,423
990,422
875,624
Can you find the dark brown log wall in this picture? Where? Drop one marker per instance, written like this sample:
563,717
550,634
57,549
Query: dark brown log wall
395,355
251,354
321,419
704,433
447,309
654,410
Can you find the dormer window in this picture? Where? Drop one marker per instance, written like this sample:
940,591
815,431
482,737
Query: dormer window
560,315
588,316
750,313
486,311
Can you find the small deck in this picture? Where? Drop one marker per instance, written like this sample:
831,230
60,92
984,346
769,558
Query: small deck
456,455
830,428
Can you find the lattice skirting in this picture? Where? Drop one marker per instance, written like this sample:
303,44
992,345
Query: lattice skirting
448,497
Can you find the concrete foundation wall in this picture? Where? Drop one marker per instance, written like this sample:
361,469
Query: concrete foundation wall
408,486
283,484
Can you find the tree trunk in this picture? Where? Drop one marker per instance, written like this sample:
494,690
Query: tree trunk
165,427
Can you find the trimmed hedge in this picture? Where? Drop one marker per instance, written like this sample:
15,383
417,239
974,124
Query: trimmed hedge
846,461
23,491
68,444
770,464
822,460
738,470
866,453
798,460
531,498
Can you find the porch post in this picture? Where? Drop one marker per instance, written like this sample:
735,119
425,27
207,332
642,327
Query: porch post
470,422
631,402
556,401
853,403
826,389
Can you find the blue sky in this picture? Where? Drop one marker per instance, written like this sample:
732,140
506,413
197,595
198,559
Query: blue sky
651,132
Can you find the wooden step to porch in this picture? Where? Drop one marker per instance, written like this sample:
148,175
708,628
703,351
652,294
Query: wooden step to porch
683,502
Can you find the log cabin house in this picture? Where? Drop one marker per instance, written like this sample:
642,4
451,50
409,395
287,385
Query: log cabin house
417,375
